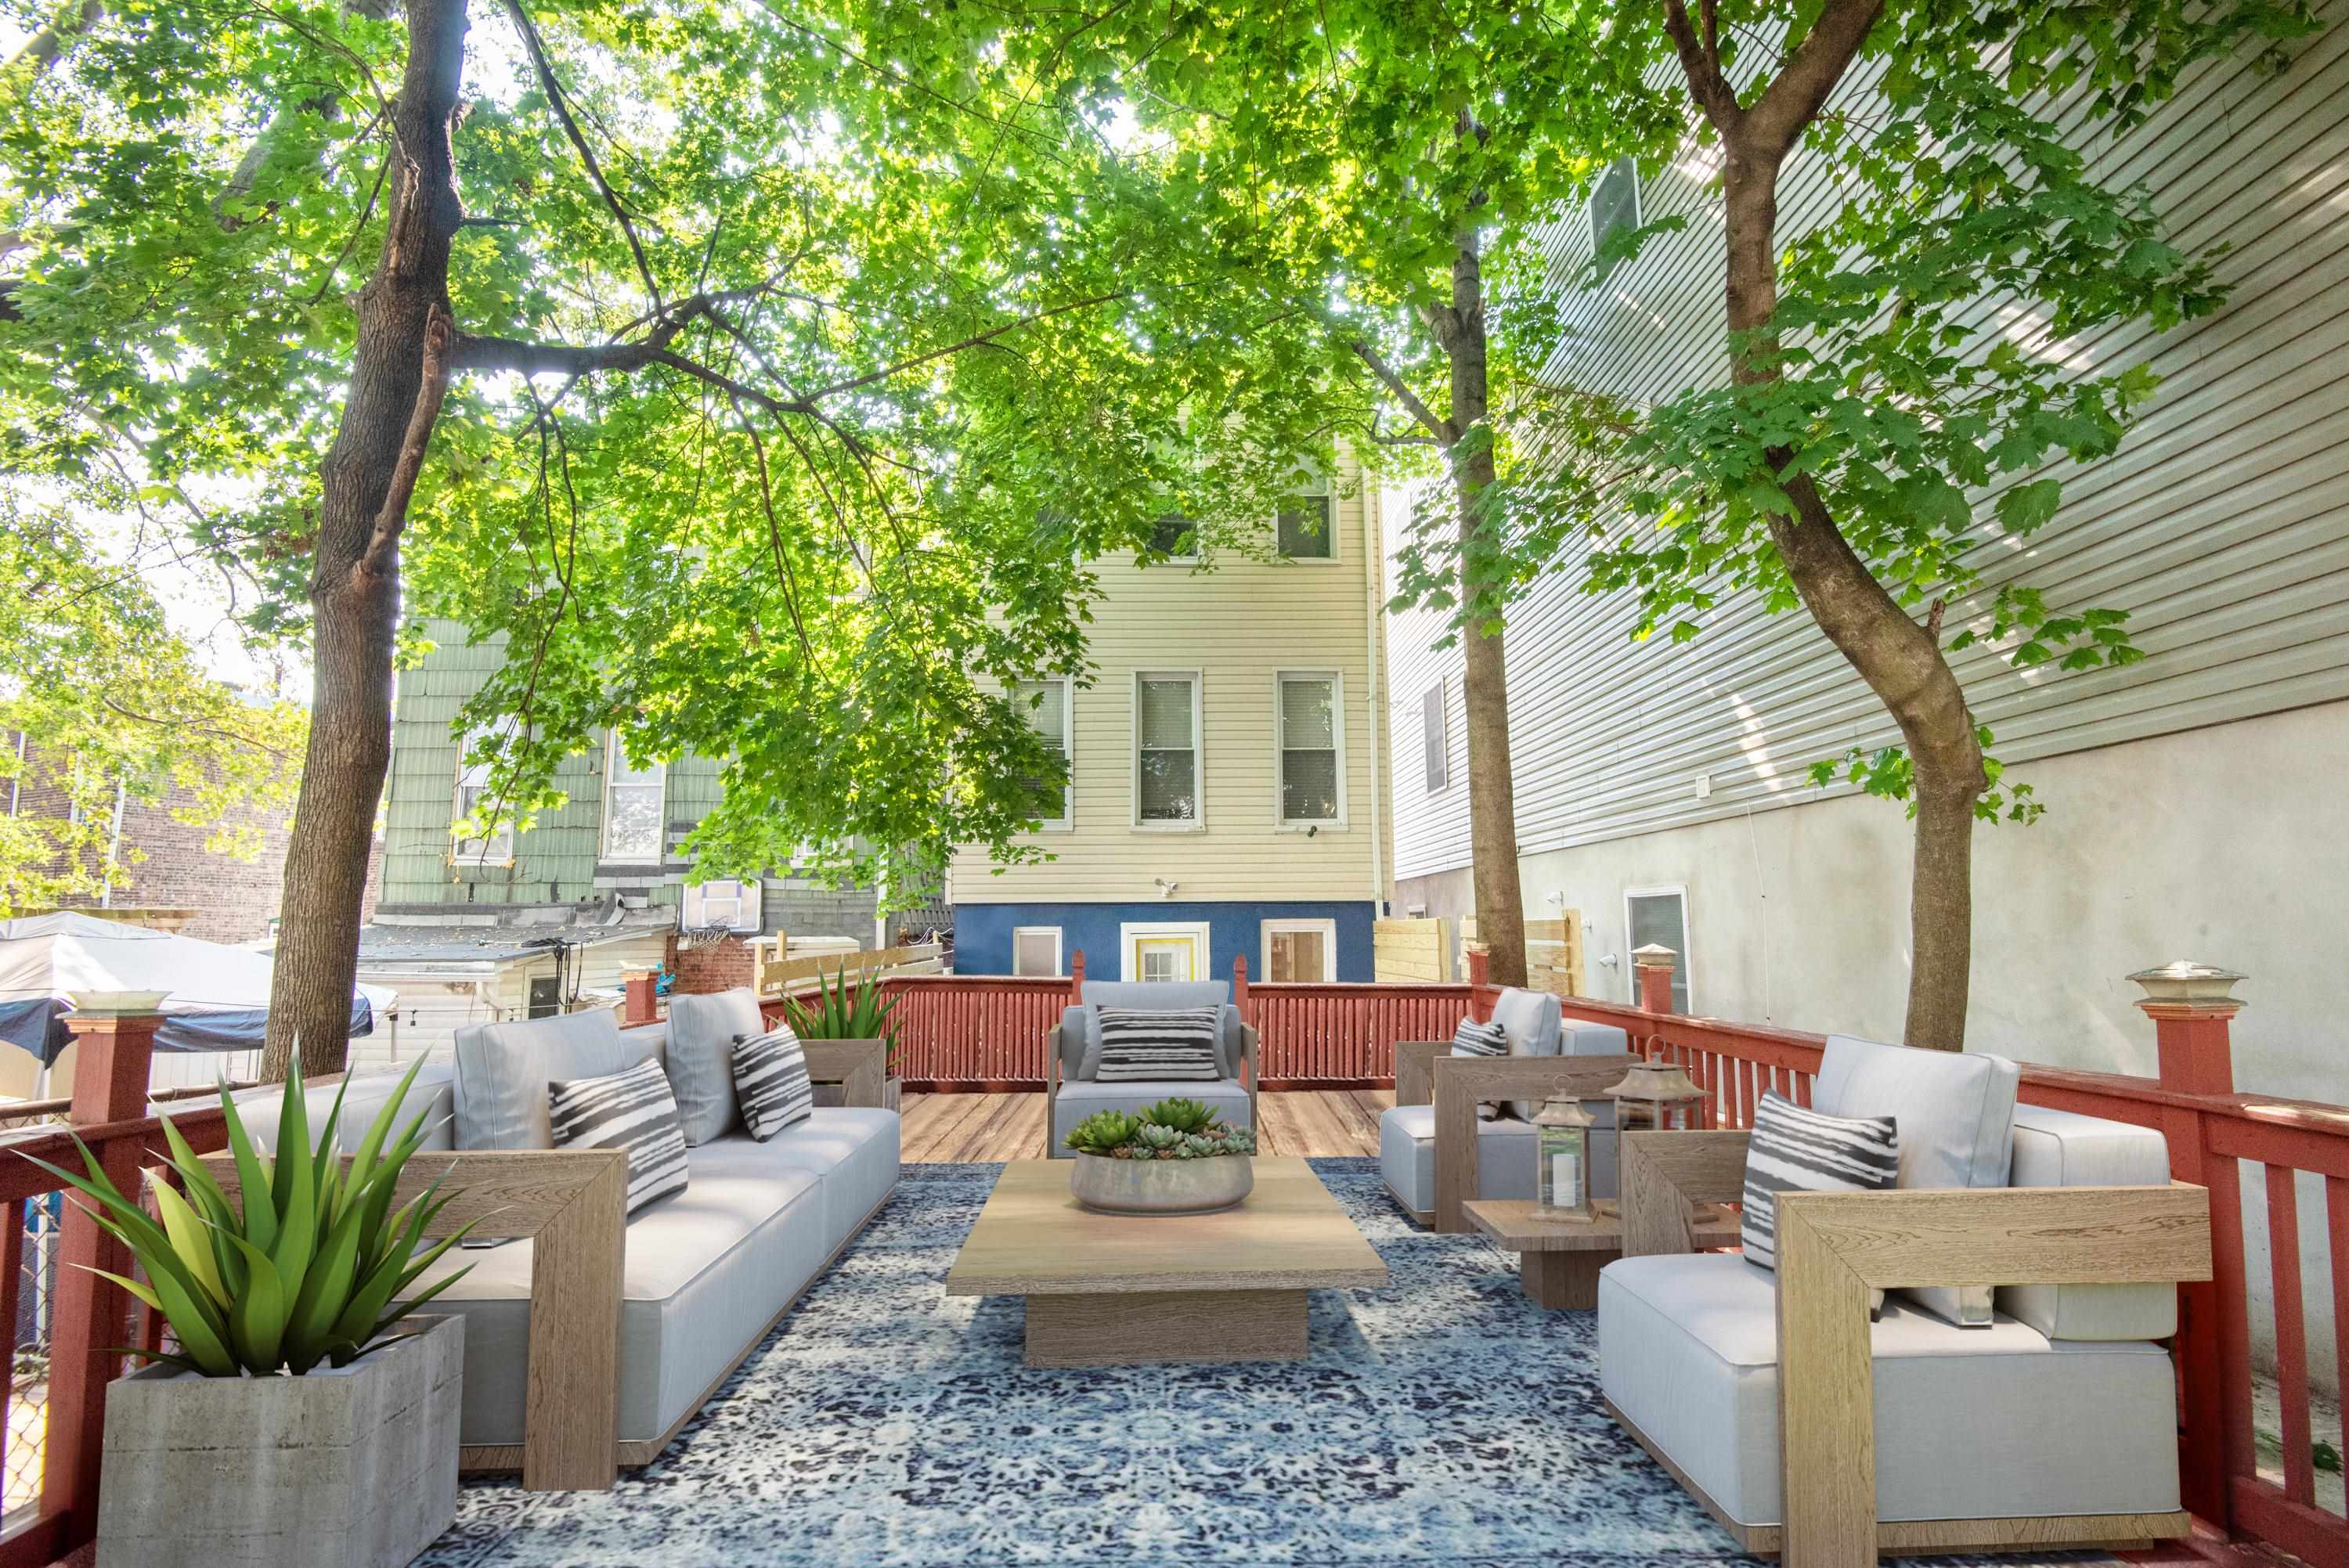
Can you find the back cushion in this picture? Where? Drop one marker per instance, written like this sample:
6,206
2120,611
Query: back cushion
702,1031
503,1072
1955,1112
1080,1035
2057,1149
1530,1019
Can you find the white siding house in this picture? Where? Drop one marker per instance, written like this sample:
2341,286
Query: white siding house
2197,802
1227,776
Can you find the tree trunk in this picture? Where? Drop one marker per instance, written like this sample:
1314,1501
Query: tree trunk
1492,794
1901,660
354,581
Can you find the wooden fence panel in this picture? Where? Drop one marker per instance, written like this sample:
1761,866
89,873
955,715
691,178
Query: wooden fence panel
1412,952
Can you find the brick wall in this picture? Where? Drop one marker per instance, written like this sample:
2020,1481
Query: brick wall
702,970
234,899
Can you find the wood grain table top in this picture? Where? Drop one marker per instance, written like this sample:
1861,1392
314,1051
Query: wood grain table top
1511,1224
1034,1239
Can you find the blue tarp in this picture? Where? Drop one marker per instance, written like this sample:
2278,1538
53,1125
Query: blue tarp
37,1025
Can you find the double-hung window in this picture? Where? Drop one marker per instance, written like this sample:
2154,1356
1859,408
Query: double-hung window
1614,205
1306,525
473,797
1045,705
1036,950
1435,743
1309,717
1167,749
635,806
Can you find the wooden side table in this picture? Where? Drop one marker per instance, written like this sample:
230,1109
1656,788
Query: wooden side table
1558,1260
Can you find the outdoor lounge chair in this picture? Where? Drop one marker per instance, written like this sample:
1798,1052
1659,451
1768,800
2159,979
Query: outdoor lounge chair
1073,1098
2051,1424
1502,1159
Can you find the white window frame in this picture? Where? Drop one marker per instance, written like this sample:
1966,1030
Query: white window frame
1680,964
457,813
1442,737
1144,557
1059,953
1318,486
1129,932
614,755
1591,207
1282,822
1067,821
1198,822
1329,932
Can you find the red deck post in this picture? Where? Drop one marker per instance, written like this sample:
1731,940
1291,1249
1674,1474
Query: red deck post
2191,1005
1653,964
1239,986
112,1052
1077,977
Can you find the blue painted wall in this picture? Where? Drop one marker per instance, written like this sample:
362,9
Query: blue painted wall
983,932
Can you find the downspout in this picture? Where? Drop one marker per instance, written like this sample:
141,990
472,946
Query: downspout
1373,577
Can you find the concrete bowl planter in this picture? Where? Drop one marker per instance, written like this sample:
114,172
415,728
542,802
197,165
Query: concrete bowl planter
342,1468
1162,1186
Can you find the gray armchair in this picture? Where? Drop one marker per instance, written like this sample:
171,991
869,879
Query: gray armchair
1547,1056
1072,1098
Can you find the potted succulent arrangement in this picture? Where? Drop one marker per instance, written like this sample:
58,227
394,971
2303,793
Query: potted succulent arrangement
299,1397
1176,1158
837,1013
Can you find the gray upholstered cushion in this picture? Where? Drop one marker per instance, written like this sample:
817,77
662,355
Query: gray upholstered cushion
1531,1020
1970,1424
1955,1110
705,1273
1081,1025
503,1072
2057,1149
1507,1157
702,1032
433,1096
1227,1098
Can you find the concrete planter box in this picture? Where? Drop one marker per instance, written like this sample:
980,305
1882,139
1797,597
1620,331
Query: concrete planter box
1162,1186
354,1468
892,1089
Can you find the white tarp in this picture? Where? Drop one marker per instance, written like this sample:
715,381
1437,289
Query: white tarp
218,996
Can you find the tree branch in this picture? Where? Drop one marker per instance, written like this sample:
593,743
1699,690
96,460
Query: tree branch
990,335
1701,67
1442,431
383,545
554,98
1785,110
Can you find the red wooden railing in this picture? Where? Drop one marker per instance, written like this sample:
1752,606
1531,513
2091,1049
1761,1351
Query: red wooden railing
91,1318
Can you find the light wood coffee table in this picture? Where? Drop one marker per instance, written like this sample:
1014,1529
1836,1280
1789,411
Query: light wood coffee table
1558,1260
1109,1289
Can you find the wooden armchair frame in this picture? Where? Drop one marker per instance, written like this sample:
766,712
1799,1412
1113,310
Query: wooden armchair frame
572,1205
1426,1075
1250,1047
1833,1248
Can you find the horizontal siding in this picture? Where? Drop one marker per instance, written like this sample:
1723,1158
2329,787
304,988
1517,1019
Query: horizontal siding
1237,624
2222,525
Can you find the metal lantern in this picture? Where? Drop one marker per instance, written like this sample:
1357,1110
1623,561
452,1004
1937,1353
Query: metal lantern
1563,1132
1655,1095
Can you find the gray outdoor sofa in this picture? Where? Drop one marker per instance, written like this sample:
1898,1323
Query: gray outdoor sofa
706,1273
1073,1098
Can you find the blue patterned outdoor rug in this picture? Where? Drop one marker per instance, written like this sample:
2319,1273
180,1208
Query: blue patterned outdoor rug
1443,1421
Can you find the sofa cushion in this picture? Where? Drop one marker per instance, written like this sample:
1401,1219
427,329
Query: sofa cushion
1099,994
770,1083
702,1032
705,1273
1227,1098
1995,1422
2058,1148
1148,1043
433,1096
503,1072
1955,1111
1531,1021
634,1111
1507,1157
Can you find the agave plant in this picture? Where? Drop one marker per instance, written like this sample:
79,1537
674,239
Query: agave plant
835,1015
1182,1115
305,1269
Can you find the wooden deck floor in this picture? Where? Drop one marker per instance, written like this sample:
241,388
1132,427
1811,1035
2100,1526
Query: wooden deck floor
943,1127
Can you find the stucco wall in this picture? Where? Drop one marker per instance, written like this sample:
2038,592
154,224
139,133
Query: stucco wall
983,932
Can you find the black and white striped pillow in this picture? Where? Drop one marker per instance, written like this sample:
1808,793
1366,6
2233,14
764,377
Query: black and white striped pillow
1796,1150
1141,1045
1475,1039
770,1082
635,1111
